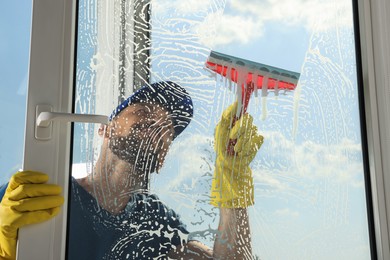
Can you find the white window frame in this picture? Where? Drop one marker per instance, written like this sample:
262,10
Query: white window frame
51,82
374,20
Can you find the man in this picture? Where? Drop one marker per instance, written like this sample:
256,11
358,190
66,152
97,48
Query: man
112,214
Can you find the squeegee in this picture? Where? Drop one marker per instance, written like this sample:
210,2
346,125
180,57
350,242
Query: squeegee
250,77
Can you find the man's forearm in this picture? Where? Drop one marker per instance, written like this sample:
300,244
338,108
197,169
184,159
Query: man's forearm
233,240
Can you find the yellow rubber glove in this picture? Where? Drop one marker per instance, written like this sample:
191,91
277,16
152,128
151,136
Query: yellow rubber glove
27,200
232,185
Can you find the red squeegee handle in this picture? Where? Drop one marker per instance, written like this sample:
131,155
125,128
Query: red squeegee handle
246,95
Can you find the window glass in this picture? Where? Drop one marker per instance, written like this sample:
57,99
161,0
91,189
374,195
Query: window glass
308,177
15,23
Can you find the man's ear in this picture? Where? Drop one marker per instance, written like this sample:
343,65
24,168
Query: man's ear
104,130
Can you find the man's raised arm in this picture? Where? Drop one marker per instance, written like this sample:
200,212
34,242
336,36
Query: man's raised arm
232,190
232,187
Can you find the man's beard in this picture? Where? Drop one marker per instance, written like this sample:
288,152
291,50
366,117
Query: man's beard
136,150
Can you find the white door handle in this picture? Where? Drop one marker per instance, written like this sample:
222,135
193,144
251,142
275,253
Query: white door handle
44,117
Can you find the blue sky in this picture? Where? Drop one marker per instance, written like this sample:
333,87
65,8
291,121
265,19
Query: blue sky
15,22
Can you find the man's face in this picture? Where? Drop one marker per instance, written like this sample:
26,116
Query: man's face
141,135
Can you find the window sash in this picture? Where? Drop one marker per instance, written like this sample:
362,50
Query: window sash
51,82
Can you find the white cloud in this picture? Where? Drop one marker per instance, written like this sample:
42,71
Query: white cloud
286,213
193,6
312,14
268,181
281,164
180,8
237,21
218,29
189,158
340,162
243,21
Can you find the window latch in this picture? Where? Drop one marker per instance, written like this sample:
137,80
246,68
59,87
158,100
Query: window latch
45,117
